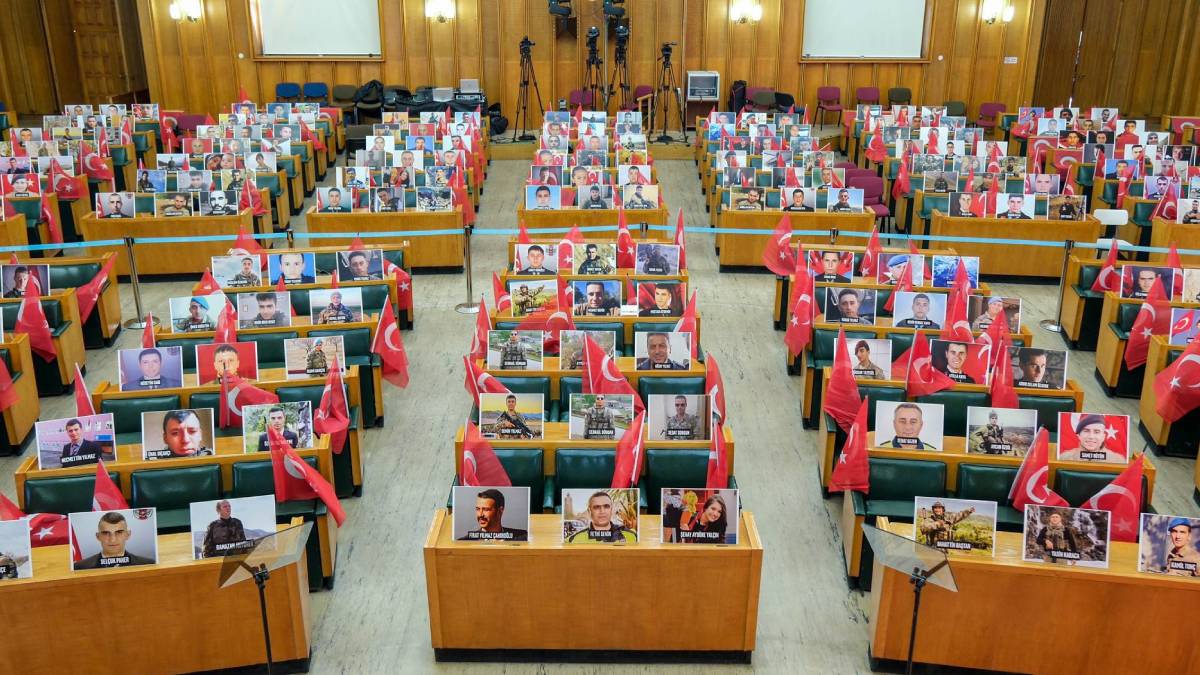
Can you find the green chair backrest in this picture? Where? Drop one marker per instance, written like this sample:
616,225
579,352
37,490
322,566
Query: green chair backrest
51,306
373,297
525,469
311,393
583,468
73,276
940,202
673,468
1127,313
251,479
825,339
529,385
901,342
270,346
1078,486
1047,408
985,482
567,385
127,412
188,350
64,494
174,488
875,393
1087,276
649,384
955,407
904,479
613,327
356,340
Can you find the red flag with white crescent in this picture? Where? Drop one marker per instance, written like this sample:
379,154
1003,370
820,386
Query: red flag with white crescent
626,248
601,375
1177,387
853,468
1153,318
480,465
841,394
1122,498
332,416
1109,279
296,479
480,381
390,347
631,453
777,254
1031,485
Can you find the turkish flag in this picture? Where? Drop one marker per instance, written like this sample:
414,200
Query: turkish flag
31,320
83,400
480,465
48,529
51,220
295,479
523,234
390,348
876,149
404,284
480,381
106,496
251,198
998,337
8,395
1002,393
1177,387
687,324
93,164
1030,485
148,340
1109,278
1176,264
799,332
601,375
904,283
63,183
1122,498
1154,318
777,255
921,378
841,395
89,293
566,250
460,197
869,265
208,285
237,393
483,324
903,183
679,240
226,331
631,454
957,327
306,134
501,295
717,477
1116,432
853,468
626,248
714,386
332,416
245,244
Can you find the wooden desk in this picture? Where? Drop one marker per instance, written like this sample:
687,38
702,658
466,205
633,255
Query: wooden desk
552,368
1153,425
14,231
18,418
1011,260
1074,306
108,305
536,220
558,611
442,250
745,250
554,436
182,621
1009,615
1110,349
1166,232
69,343
189,258
581,322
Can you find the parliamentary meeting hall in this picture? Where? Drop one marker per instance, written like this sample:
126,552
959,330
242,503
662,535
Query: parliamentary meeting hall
588,336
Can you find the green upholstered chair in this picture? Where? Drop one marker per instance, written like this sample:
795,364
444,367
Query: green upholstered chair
991,483
1129,382
252,479
127,413
1093,307
46,374
894,483
171,491
578,468
675,468
270,346
357,342
343,465
1047,408
1079,486
567,385
956,403
525,468
212,399
872,393
649,384
188,351
73,276
62,494
533,385
901,342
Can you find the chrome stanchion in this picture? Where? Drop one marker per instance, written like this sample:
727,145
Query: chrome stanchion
139,321
833,235
291,238
1053,325
645,228
470,306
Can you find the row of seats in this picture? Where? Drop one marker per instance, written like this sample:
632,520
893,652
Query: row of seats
577,468
894,483
49,377
171,491
558,410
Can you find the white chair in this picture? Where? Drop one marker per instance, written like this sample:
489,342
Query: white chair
1111,219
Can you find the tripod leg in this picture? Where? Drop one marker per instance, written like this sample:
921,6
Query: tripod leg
262,605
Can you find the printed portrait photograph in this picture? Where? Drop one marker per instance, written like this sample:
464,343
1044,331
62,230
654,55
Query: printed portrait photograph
593,297
640,196
293,420
700,516
1167,545
511,417
1093,437
596,258
945,267
231,525
956,526
216,360
677,417
295,268
435,199
535,259
115,205
172,434
335,305
1060,535
173,204
1000,431
965,362
514,350
870,359
656,259
832,266
1036,368
543,197
850,305
530,295
844,200
15,278
150,368
666,350
893,268
918,309
982,310
600,516
219,203
908,426
119,538
485,514
75,441
190,314
661,298
235,271
313,356
1185,323
16,556
266,309
1137,280
570,346
362,265
599,417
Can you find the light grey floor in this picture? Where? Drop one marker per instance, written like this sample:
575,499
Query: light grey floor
376,618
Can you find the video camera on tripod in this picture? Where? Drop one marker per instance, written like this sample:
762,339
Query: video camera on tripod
667,47
525,46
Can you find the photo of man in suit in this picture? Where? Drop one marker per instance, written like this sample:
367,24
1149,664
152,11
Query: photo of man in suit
277,419
79,450
112,531
150,373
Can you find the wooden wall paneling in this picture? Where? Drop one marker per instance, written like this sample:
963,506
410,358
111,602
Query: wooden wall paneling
68,79
716,43
935,75
962,50
1184,75
787,79
197,70
494,78
1053,86
765,64
395,67
644,47
695,22
988,61
27,58
468,32
424,55
222,54
514,26
131,45
237,27
539,26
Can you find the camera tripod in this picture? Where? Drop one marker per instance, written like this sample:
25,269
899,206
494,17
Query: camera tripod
667,88
527,75
593,77
619,80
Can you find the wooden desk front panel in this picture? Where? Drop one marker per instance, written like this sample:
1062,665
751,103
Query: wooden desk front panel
165,618
1010,260
746,249
1013,616
443,250
544,595
536,220
189,258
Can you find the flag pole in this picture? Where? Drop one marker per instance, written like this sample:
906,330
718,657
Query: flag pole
139,321
1054,325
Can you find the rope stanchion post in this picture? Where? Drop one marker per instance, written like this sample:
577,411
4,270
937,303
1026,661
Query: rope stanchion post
833,235
645,228
291,238
470,306
139,321
1053,325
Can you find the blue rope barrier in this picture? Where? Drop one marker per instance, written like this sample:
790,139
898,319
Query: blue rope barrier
65,245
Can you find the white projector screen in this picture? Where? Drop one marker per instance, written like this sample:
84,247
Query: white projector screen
319,27
875,29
